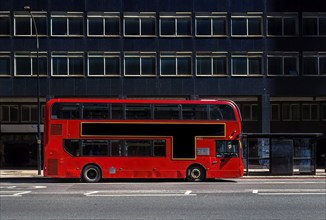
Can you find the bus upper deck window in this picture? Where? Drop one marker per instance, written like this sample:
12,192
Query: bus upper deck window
65,111
222,112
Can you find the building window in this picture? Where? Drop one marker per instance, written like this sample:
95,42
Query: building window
175,24
103,64
28,113
314,24
250,64
290,112
176,64
5,61
139,64
314,63
249,112
139,24
4,24
26,64
310,112
211,24
275,112
282,25
103,24
9,113
323,111
211,64
24,24
247,25
282,64
67,24
67,64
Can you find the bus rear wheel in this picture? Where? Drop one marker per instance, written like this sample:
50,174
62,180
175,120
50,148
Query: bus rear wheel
91,174
195,173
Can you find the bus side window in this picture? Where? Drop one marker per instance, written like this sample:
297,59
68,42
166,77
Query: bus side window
96,111
72,147
227,148
222,112
165,111
65,111
116,148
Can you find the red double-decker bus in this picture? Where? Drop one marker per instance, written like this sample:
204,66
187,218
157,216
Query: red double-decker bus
93,139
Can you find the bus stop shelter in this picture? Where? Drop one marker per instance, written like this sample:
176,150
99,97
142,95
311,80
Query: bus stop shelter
280,153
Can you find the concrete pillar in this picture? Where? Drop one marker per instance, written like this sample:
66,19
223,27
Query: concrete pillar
265,113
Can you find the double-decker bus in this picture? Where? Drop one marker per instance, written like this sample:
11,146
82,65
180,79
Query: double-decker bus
94,139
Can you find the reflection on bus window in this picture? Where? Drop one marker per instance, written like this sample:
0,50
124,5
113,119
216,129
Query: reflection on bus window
115,148
65,111
96,111
221,112
227,148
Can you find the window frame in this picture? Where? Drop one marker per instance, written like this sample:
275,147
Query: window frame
104,55
252,116
176,55
6,14
248,56
9,113
68,56
278,107
68,16
212,55
317,16
310,111
291,111
211,16
104,16
141,17
32,55
4,54
247,17
176,16
30,113
283,56
141,56
282,16
36,15
318,56
323,111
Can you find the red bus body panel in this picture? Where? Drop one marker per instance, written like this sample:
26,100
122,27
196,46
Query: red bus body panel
60,164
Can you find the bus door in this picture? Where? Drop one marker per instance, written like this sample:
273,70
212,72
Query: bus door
228,158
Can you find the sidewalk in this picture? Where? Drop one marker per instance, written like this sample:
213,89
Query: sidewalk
10,173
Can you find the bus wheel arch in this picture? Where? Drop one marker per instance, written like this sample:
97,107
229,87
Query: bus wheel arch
91,173
195,173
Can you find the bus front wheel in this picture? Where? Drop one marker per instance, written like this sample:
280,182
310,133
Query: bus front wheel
195,173
91,174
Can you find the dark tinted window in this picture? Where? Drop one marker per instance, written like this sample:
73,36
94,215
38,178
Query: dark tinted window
96,111
136,111
221,112
65,111
166,112
116,148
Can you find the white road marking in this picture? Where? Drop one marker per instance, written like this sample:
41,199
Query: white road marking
138,193
7,187
290,194
272,192
13,193
90,193
40,187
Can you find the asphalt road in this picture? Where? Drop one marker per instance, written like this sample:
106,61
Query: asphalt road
233,199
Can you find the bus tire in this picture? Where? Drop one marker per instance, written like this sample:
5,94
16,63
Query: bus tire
196,173
91,174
